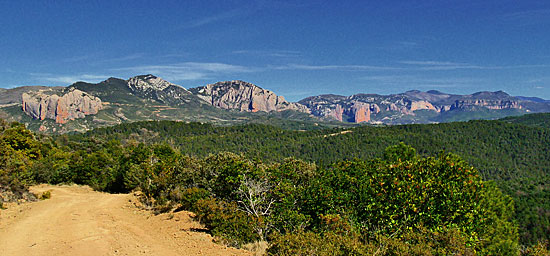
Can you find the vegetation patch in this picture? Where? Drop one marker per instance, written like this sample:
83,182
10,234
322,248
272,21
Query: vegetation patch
45,195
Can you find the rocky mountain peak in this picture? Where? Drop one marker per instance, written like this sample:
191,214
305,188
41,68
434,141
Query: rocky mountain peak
244,96
434,92
149,82
491,95
150,87
233,84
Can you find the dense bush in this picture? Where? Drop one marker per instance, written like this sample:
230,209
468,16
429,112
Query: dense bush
187,198
538,249
392,196
224,220
419,241
360,205
19,149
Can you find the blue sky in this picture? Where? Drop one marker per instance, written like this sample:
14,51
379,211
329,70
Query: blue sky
295,48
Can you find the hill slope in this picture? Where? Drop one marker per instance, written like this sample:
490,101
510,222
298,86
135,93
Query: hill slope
538,120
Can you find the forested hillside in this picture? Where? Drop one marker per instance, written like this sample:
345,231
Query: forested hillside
482,143
538,120
514,155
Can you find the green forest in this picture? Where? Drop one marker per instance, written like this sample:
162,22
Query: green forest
477,187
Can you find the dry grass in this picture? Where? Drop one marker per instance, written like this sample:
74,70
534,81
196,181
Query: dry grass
259,248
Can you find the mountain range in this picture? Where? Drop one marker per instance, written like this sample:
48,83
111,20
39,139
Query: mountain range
83,106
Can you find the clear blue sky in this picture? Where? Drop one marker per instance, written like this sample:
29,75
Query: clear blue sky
295,48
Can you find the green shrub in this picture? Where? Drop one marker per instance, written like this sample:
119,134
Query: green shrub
418,241
389,197
45,195
188,197
421,241
320,244
541,248
289,180
223,173
226,221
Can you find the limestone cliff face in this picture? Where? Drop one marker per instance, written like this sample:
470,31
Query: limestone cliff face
418,105
337,113
490,104
148,83
244,96
361,111
69,106
156,88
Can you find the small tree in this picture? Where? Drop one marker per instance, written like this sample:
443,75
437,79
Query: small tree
255,200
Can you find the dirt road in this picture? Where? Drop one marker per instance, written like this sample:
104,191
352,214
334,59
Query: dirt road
79,221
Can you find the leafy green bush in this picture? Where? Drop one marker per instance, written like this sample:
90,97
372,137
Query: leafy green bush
290,179
224,220
223,173
539,249
53,168
188,197
19,149
418,241
45,195
321,244
391,197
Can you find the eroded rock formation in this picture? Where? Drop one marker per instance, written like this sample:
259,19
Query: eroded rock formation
490,104
61,108
244,96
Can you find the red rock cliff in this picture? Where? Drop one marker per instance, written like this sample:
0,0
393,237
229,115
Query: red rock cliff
69,106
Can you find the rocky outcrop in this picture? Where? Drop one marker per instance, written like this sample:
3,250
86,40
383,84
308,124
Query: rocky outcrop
158,89
337,113
361,112
148,83
419,105
244,96
392,107
61,108
490,104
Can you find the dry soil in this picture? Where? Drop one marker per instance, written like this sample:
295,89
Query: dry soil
79,221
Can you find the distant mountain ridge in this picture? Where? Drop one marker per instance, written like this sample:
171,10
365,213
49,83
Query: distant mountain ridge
418,107
244,96
82,106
